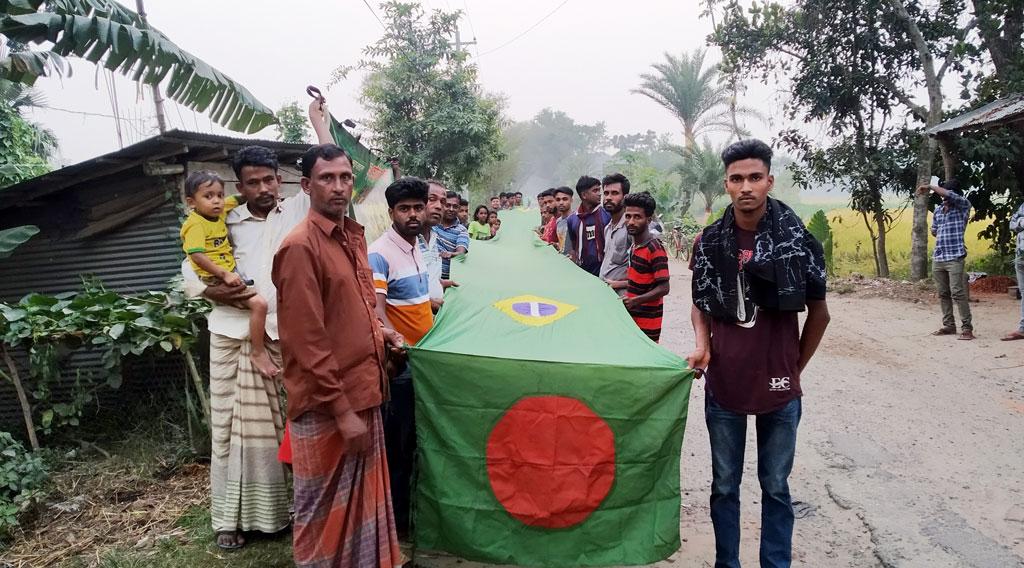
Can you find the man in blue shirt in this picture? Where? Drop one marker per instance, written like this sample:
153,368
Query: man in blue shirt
584,238
452,237
1017,227
949,222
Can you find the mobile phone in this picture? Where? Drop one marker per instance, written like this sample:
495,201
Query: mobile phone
934,181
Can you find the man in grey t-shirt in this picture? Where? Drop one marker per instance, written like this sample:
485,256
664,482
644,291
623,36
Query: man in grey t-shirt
615,187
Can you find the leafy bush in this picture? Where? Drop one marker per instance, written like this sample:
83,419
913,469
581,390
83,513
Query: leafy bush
50,327
818,226
22,475
994,263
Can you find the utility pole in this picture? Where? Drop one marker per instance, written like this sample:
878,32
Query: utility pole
158,99
458,39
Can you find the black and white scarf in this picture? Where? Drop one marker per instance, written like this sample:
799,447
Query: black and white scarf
785,258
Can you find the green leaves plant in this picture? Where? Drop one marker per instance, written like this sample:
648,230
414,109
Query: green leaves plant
49,327
13,237
22,475
106,33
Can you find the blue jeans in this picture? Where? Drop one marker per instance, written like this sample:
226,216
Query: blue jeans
776,444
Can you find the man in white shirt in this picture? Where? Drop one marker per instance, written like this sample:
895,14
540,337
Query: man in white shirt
248,485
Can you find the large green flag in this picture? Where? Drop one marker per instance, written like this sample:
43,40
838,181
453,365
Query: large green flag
549,425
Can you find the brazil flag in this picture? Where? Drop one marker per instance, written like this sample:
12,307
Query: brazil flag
549,426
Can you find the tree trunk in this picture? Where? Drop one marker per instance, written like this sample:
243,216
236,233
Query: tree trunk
919,229
931,116
26,409
874,243
691,140
948,158
881,256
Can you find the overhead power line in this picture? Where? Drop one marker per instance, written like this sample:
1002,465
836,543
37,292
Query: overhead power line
471,28
374,12
527,30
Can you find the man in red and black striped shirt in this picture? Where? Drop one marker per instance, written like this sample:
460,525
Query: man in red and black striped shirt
646,281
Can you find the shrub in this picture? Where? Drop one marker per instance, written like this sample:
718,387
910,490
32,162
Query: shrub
22,475
993,264
818,226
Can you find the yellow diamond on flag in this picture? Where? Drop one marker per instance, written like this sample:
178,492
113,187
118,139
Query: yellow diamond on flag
534,310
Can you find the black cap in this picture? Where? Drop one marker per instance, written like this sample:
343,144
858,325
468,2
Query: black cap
951,185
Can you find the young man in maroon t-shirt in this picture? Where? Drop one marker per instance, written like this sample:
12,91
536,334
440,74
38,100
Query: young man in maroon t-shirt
754,270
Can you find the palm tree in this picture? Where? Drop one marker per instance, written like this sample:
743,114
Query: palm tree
695,95
701,172
107,33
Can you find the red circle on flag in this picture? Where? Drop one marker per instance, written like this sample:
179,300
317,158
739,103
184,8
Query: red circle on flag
551,461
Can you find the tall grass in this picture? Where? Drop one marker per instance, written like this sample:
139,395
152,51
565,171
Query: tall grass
852,242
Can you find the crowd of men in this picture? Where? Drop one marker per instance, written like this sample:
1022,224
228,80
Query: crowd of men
300,295
340,313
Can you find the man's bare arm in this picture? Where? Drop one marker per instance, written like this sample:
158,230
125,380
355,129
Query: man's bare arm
814,329
319,117
701,355
380,309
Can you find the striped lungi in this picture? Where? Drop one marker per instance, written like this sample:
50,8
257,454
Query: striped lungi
343,515
248,487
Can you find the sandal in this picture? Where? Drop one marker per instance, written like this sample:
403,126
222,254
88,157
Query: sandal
944,331
236,538
966,335
1013,336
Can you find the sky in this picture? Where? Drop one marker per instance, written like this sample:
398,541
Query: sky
583,58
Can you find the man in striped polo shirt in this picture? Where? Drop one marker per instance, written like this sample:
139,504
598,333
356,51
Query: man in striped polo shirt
402,284
452,237
647,276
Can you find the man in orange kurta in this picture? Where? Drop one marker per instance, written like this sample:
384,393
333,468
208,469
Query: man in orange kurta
334,353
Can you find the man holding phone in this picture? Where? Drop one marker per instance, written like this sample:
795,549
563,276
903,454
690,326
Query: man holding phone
949,222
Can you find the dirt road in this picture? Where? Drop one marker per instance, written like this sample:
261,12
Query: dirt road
911,449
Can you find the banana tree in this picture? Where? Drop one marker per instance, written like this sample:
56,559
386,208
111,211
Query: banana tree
106,33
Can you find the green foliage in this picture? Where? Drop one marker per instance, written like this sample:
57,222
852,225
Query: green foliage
104,31
715,216
818,226
549,150
638,166
854,100
20,98
292,125
50,327
19,144
14,237
22,475
701,172
994,263
643,142
425,103
991,163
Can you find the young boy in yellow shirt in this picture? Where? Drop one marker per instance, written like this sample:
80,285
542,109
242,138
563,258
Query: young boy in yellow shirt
204,236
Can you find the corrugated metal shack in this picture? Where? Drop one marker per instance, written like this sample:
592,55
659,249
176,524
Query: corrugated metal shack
115,218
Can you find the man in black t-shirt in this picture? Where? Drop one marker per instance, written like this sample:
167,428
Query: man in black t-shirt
753,271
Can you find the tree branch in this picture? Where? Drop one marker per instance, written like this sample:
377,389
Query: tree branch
919,111
26,409
927,62
951,54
